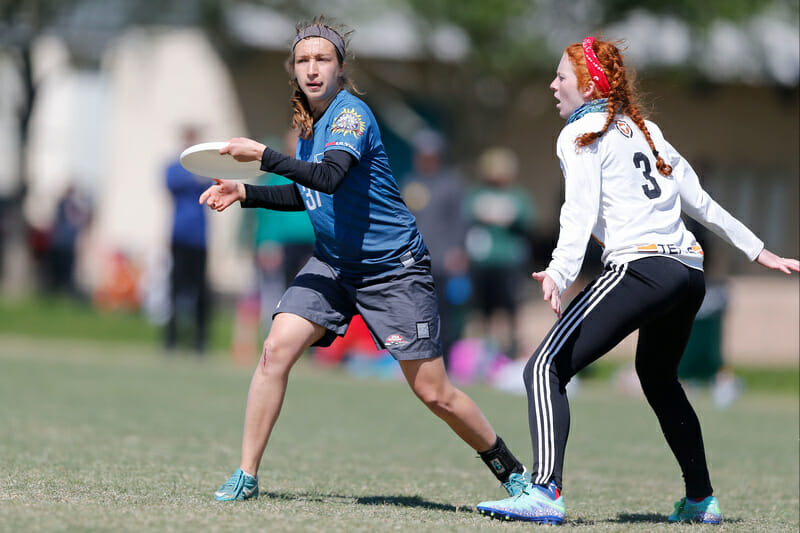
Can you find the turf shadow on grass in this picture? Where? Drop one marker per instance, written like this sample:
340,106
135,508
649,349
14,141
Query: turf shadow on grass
650,518
399,501
407,501
639,518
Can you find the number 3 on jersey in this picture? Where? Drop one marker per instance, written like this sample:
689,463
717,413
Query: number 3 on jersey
311,198
641,162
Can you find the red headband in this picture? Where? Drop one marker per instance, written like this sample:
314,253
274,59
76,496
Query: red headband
595,70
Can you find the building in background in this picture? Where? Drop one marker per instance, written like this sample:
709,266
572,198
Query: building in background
108,108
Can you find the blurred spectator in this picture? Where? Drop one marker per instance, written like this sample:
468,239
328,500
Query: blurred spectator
434,193
73,215
282,242
119,288
5,215
703,360
500,215
189,293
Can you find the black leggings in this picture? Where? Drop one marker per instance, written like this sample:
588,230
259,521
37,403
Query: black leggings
658,296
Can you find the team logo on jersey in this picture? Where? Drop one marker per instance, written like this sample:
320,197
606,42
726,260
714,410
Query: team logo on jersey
623,128
348,121
394,340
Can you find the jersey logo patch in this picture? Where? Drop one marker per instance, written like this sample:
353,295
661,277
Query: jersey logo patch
623,128
348,121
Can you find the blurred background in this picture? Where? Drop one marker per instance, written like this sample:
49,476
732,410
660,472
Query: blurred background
96,98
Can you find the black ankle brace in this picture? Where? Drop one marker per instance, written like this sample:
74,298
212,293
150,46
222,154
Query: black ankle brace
501,461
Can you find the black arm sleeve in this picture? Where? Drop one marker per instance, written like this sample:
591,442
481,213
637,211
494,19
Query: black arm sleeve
278,197
325,176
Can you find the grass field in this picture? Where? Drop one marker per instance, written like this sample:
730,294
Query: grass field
102,437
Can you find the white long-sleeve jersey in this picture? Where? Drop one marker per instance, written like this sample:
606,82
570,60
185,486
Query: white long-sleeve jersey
615,193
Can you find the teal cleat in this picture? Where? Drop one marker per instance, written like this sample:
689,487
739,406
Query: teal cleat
240,486
534,503
705,511
516,482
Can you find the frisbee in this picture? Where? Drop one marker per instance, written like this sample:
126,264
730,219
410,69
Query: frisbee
204,159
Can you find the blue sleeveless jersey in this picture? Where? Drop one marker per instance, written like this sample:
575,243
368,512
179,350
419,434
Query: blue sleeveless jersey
364,228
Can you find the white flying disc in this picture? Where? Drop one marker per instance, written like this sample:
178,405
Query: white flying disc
204,159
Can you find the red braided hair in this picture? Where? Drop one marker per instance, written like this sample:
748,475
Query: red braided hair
622,96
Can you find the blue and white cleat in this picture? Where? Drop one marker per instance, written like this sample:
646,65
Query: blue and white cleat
240,486
516,482
534,503
705,511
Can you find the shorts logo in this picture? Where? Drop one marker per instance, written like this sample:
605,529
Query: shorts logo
423,331
348,121
623,128
394,340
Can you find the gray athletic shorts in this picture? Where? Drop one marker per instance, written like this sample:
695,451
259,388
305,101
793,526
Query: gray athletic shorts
399,308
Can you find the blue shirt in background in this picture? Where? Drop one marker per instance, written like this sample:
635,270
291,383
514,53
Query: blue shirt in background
189,217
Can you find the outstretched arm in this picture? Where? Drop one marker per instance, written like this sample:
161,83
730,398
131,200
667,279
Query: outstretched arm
770,260
277,197
324,176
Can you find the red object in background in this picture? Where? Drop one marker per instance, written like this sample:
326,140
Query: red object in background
119,290
357,340
39,240
246,342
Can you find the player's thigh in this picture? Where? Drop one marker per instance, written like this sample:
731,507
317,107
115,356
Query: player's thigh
317,295
619,301
402,313
293,332
425,374
663,339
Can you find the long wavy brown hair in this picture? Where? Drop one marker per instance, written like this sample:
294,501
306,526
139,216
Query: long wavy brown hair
302,119
622,96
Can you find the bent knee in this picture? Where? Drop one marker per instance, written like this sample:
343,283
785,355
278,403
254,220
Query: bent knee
437,399
275,359
536,368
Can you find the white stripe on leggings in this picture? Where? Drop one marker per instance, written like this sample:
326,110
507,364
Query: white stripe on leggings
541,369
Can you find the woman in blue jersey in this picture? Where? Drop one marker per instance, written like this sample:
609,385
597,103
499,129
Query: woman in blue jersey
626,186
369,258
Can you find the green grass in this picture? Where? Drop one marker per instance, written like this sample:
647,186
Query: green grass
773,380
113,437
66,318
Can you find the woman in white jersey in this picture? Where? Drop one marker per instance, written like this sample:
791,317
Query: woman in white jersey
625,186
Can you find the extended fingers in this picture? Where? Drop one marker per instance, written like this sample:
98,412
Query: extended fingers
211,197
788,265
228,147
555,302
205,195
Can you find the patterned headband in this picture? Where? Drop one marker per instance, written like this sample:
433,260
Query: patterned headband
595,70
318,30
